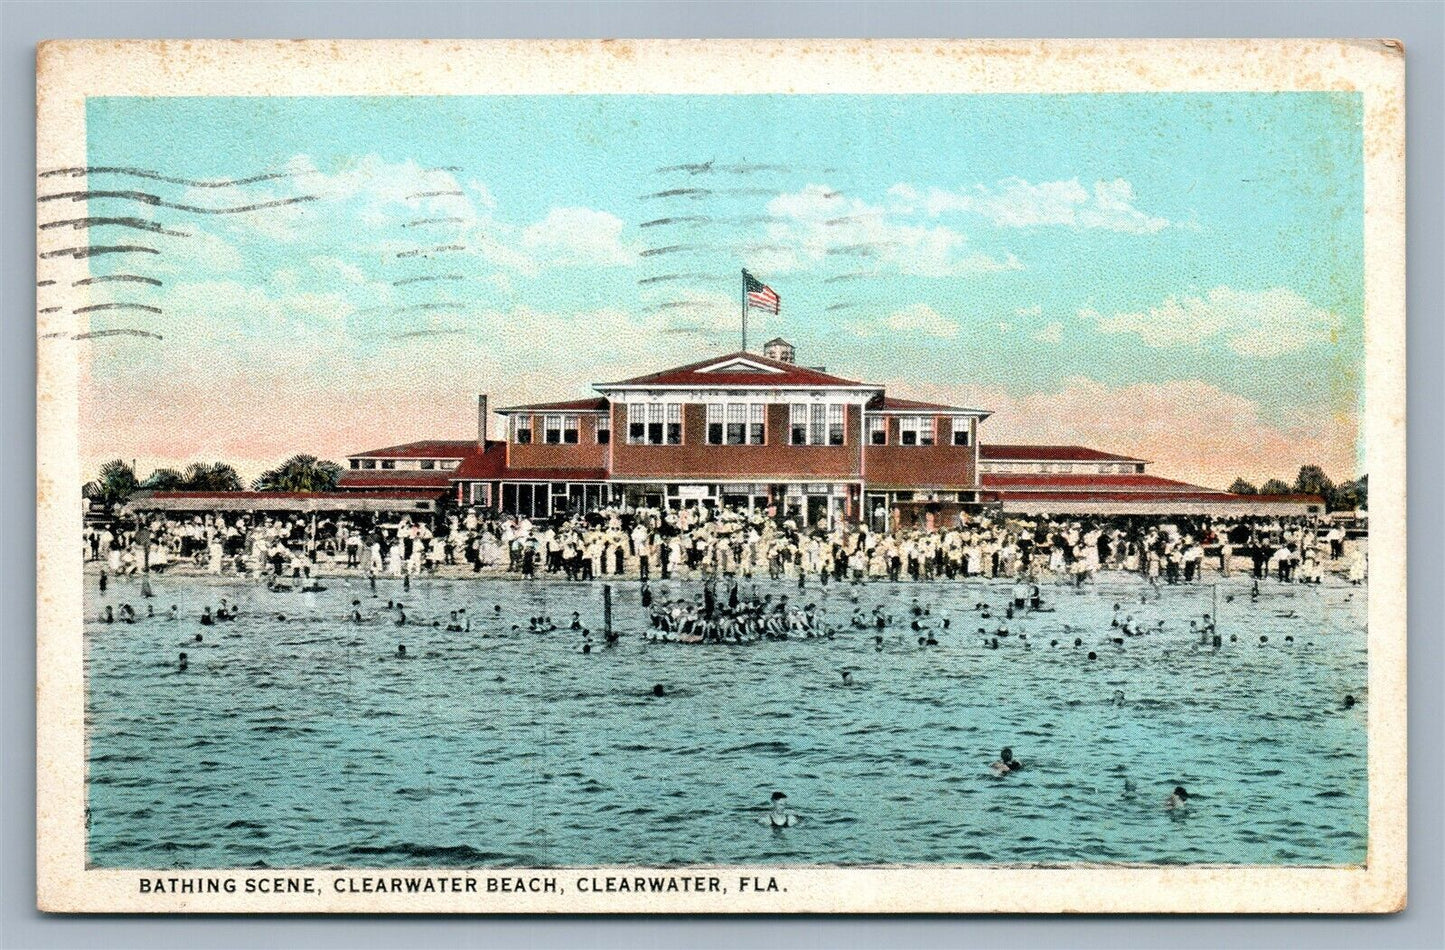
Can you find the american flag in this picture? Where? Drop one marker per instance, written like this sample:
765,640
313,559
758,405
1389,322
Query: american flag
760,295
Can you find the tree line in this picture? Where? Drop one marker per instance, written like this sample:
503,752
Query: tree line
1312,480
117,481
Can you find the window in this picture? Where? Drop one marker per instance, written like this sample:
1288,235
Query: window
388,463
428,465
818,424
654,424
925,430
368,463
908,430
877,430
757,426
798,424
636,424
674,423
569,430
481,493
522,430
552,429
449,464
961,430
714,423
604,428
737,425
835,424
356,463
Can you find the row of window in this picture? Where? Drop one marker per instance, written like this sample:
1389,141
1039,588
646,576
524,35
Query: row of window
919,430
559,430
740,424
425,465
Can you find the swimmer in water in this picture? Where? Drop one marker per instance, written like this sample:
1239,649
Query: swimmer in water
1093,655
1177,799
183,664
658,689
206,620
1118,697
200,639
1349,701
401,650
109,616
847,677
779,816
174,613
1006,763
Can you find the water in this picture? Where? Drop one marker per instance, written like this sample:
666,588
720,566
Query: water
306,743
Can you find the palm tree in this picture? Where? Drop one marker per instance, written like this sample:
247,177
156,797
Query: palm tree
114,484
300,473
212,476
164,479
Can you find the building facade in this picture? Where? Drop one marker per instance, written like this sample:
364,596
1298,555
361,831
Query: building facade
762,432
743,430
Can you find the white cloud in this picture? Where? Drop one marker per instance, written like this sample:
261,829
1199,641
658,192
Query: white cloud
919,318
1016,203
579,236
1260,323
1034,311
819,224
1053,333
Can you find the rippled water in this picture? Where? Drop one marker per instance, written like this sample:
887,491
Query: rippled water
305,743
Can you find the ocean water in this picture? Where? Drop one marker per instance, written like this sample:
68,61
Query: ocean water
305,742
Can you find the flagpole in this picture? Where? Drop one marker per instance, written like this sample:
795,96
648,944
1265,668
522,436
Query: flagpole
745,311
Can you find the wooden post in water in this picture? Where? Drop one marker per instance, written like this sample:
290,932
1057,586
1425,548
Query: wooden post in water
607,609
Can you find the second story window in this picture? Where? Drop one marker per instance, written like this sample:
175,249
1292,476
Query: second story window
674,423
654,424
604,428
798,424
915,430
428,465
356,463
737,431
636,424
552,430
715,423
961,430
877,430
388,463
835,424
522,430
757,426
569,430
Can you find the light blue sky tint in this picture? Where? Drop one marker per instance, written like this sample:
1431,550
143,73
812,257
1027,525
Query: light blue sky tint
1201,250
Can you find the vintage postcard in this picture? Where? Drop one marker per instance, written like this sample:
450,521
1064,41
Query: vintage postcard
721,476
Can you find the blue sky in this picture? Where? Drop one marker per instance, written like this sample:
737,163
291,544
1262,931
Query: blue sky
1118,269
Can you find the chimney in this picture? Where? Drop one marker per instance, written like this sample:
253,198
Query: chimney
482,421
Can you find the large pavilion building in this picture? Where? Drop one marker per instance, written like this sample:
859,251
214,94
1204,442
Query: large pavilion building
764,433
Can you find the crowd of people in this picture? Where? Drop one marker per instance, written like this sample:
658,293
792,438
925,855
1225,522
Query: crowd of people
704,541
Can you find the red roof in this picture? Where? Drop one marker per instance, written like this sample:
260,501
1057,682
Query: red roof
391,478
1031,483
716,371
1048,453
428,449
894,404
597,404
482,466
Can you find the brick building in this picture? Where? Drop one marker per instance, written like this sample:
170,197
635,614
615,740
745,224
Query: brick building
765,433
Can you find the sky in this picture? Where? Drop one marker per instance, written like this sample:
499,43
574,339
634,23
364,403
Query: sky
1173,276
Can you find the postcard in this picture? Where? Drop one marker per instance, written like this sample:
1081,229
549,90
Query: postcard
721,476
